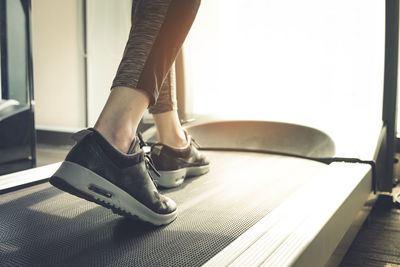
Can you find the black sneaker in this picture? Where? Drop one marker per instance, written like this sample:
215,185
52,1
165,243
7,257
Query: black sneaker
96,171
174,165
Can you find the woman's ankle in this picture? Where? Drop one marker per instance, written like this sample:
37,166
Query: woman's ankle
170,131
175,139
120,139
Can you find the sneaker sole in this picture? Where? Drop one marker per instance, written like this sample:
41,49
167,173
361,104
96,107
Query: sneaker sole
169,179
84,183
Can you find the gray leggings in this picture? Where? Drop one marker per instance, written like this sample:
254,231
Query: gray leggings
159,28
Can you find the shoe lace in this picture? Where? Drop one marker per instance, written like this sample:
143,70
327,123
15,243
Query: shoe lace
195,143
147,159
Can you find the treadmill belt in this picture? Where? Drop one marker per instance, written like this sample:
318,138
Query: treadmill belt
43,226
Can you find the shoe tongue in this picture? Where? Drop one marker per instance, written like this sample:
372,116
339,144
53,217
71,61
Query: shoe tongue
135,146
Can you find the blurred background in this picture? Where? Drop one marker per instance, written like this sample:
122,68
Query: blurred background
317,63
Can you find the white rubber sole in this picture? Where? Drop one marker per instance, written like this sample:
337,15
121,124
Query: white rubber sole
84,183
169,179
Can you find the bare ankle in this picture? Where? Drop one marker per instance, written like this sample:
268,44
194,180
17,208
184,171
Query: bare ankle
121,115
120,139
174,139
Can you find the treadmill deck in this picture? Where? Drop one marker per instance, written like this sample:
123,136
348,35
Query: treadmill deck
41,225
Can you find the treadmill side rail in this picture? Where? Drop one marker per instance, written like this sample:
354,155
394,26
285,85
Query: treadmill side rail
306,229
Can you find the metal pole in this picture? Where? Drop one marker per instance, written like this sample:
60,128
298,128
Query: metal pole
3,50
389,112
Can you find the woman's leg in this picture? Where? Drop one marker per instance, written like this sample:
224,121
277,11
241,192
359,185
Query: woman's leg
175,155
169,129
106,165
121,115
157,34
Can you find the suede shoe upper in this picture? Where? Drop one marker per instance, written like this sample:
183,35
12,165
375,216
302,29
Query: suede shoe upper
127,171
167,158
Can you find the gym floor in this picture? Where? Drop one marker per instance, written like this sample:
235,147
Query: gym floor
378,242
47,154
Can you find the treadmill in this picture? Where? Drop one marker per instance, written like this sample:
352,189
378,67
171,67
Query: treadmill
277,194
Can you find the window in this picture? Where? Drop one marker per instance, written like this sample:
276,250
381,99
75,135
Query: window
318,63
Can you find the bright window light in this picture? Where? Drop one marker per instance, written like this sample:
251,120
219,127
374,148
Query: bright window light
313,62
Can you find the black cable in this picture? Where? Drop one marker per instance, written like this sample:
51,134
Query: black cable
322,160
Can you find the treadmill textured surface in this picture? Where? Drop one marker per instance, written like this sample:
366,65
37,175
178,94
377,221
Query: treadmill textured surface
43,226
